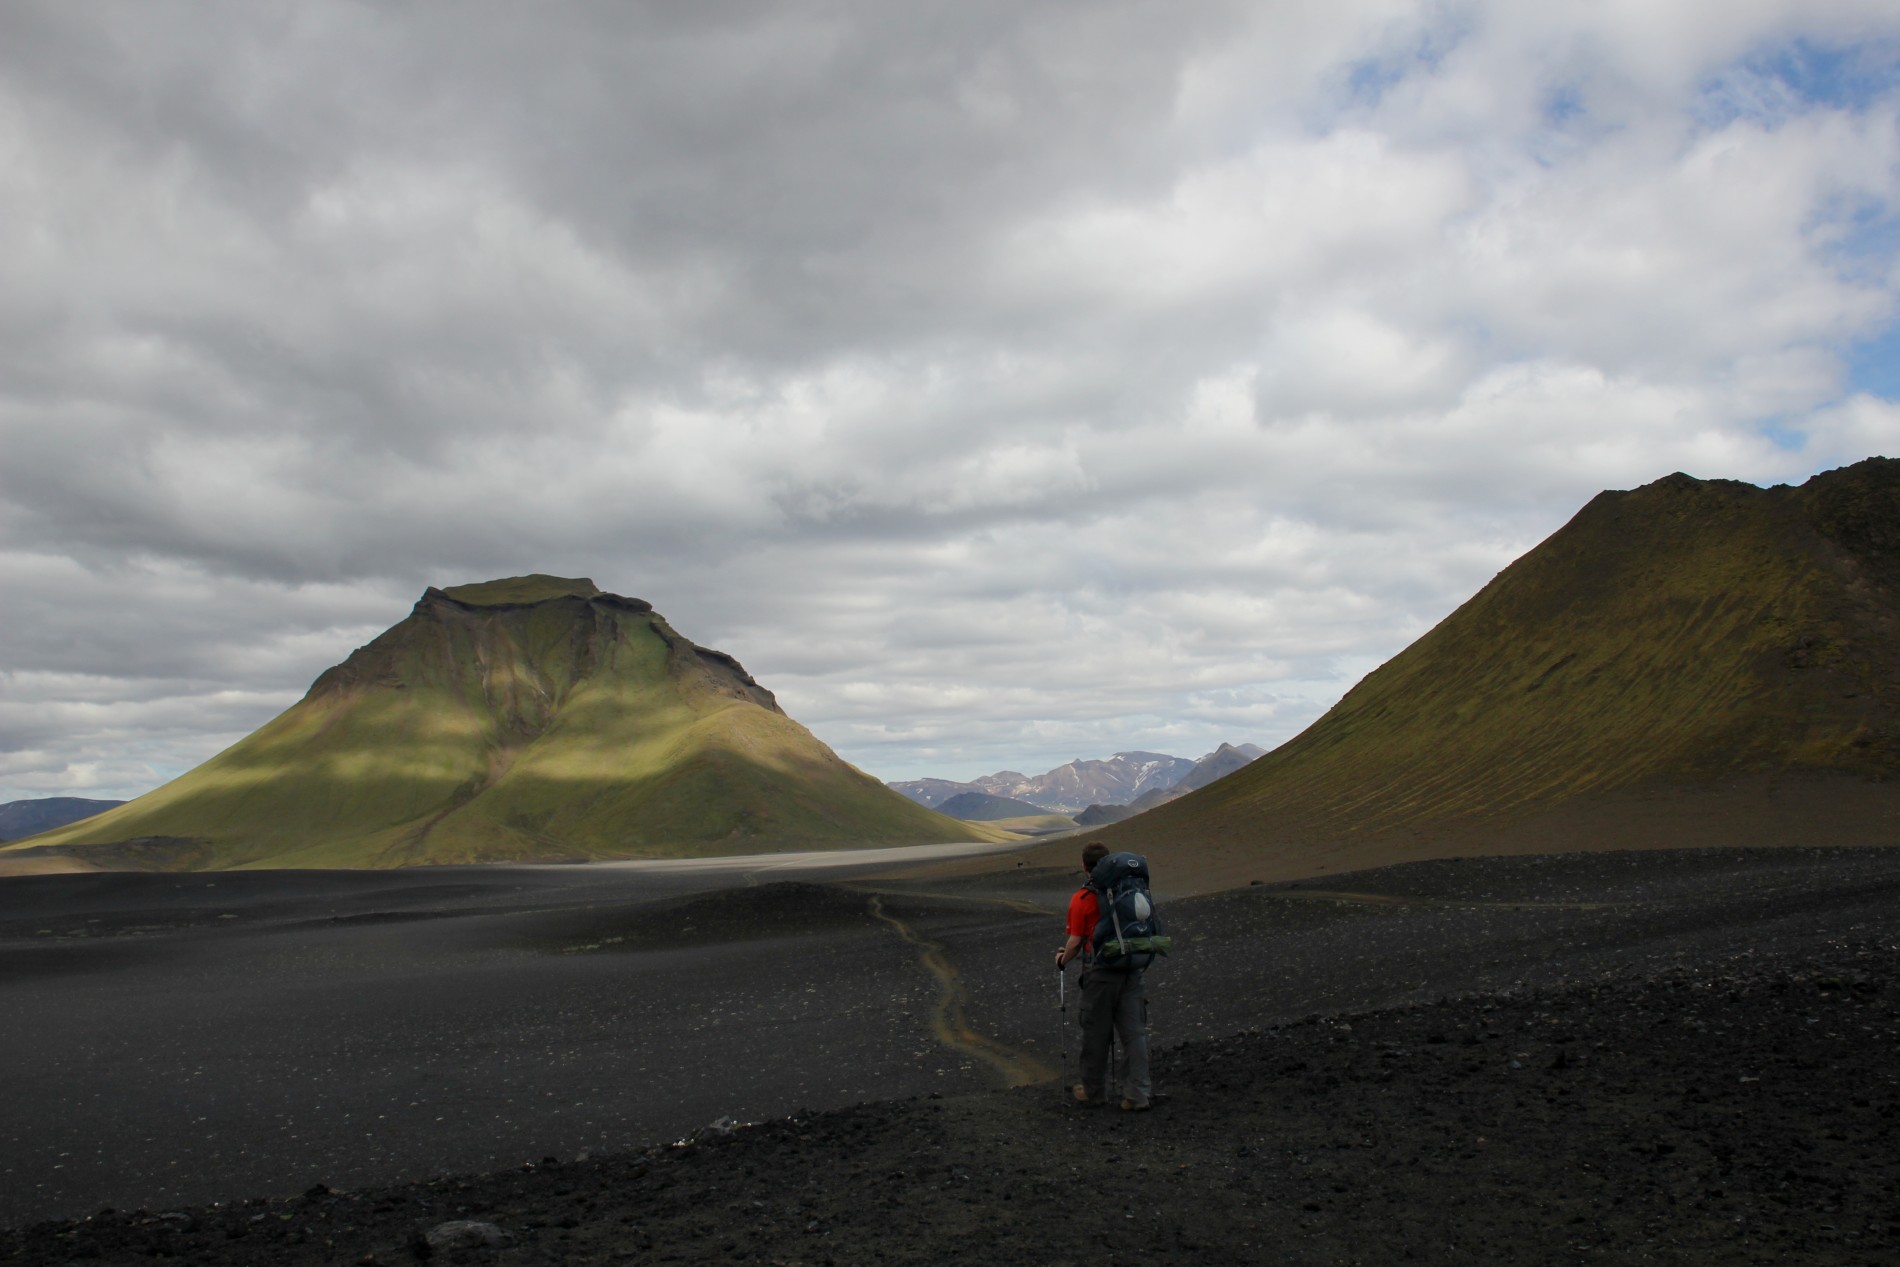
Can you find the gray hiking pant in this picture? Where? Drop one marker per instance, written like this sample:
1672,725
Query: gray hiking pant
1114,1004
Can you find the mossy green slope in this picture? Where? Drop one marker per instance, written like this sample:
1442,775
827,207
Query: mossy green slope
530,718
1685,636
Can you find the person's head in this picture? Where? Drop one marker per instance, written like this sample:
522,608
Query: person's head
1092,853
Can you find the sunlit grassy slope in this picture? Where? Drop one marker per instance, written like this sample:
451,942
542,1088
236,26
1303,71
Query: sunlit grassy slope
530,718
1688,636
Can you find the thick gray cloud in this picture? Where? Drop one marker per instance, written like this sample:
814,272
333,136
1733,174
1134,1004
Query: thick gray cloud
1001,382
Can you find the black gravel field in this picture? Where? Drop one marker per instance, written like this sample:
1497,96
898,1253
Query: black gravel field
1646,1057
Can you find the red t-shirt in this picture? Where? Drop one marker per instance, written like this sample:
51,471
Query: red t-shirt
1084,914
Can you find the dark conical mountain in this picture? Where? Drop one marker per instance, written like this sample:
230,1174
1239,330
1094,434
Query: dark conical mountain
1690,662
531,718
1217,764
981,807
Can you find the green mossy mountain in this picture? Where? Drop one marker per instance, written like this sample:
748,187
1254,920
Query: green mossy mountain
1672,653
534,718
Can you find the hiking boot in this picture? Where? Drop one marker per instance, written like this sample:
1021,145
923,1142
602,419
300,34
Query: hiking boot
1136,1106
1083,1098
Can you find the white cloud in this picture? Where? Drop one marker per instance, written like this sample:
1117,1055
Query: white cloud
1860,425
1002,383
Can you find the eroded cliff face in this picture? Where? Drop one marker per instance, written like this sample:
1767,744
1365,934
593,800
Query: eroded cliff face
523,659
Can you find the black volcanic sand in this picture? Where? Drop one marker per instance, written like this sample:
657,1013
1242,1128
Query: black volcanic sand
1683,1057
181,1038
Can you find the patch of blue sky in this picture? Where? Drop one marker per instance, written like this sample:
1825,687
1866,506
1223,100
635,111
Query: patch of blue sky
1369,79
1784,437
1861,243
1563,106
1873,365
1861,239
1842,77
1566,126
1775,83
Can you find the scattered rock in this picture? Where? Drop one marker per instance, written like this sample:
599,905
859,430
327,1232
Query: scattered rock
456,1234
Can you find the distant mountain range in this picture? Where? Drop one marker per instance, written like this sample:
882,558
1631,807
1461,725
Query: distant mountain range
533,718
24,818
1073,788
1693,662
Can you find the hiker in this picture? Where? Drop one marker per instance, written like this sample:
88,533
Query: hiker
1113,1002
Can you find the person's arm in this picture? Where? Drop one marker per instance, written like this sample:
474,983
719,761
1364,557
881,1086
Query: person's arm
1070,949
1079,925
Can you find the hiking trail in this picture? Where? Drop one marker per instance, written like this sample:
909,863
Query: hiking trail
950,1022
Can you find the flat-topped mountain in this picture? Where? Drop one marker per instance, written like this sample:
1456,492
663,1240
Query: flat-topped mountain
528,718
1690,662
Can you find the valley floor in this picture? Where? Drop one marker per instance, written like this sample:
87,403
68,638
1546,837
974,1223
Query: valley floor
1612,1058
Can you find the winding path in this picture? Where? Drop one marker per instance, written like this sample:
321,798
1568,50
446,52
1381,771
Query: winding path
950,1021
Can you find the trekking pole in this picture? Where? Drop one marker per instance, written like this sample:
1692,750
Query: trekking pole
1062,1002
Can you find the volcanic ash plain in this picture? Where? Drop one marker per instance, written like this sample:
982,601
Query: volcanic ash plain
1670,1057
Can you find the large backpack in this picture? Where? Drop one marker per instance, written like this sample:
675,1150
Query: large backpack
1128,935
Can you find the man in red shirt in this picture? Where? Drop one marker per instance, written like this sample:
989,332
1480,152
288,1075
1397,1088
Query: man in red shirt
1113,1002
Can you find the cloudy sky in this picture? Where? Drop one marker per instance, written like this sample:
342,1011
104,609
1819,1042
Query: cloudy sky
1002,382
